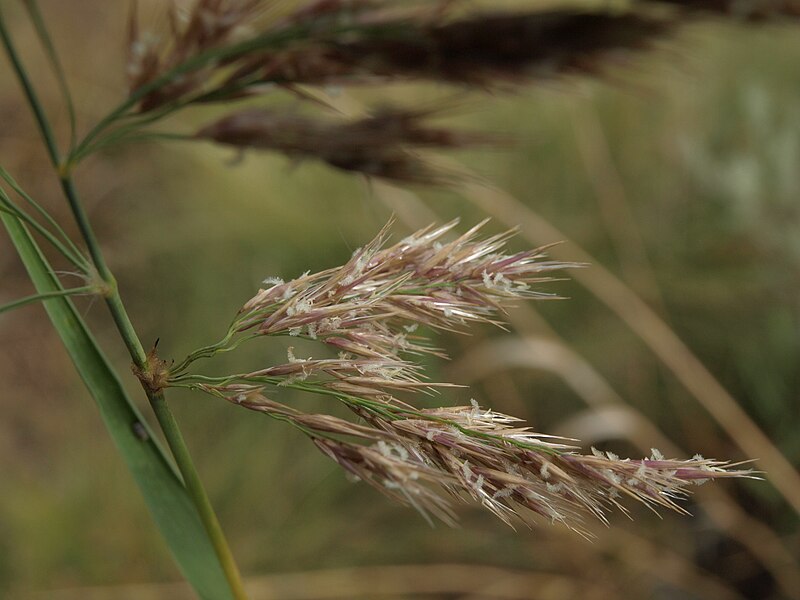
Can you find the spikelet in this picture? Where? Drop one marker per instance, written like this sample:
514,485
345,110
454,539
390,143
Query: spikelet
424,458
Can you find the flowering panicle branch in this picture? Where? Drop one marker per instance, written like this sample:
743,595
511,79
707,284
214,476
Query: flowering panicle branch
369,310
373,305
419,280
423,457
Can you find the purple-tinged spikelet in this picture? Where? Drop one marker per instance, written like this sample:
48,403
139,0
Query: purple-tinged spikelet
373,305
368,310
420,458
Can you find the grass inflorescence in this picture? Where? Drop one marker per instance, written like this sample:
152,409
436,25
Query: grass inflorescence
372,311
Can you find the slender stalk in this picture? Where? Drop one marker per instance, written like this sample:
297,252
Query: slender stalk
113,299
47,43
30,94
194,486
165,419
125,327
39,297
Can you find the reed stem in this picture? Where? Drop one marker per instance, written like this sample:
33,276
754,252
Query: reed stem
123,323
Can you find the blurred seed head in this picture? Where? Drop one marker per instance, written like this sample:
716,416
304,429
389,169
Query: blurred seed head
477,50
381,145
748,10
361,41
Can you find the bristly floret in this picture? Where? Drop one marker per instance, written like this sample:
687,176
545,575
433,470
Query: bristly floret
422,457
373,305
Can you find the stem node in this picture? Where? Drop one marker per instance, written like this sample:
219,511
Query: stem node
154,375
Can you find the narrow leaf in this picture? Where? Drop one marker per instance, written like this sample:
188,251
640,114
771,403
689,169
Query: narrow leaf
163,492
47,43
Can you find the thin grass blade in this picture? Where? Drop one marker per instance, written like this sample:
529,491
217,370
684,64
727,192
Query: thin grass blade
163,492
52,56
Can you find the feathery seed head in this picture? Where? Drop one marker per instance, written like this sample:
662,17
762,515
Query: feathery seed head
422,457
372,305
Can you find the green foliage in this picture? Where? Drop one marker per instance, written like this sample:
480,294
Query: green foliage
160,486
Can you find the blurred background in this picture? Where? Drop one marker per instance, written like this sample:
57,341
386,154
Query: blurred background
680,184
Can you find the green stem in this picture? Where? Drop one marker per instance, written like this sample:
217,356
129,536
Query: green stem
165,419
38,297
113,299
138,355
30,94
194,486
47,43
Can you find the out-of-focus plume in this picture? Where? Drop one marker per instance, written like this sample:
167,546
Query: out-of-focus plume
364,40
225,49
751,10
380,145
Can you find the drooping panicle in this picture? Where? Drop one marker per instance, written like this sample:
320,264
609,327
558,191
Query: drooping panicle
423,457
369,311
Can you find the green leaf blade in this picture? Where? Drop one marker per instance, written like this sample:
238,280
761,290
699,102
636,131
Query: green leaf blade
164,494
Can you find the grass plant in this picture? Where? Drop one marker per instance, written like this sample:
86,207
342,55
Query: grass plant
376,319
